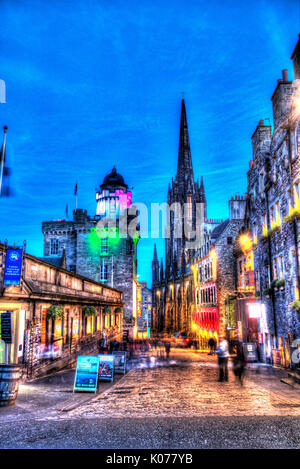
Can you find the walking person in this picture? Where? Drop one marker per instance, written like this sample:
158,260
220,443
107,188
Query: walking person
223,354
239,363
167,349
212,346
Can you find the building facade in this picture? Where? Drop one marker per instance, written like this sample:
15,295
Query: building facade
272,220
172,291
55,314
100,247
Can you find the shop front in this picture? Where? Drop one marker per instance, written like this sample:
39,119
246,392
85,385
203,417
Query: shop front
205,325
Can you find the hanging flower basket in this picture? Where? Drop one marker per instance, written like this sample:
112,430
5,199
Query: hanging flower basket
267,292
263,238
89,311
280,284
292,216
107,310
295,305
55,312
118,310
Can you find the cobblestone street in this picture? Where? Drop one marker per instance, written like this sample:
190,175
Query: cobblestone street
187,386
157,404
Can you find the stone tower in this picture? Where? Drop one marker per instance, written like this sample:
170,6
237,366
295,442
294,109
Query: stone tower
191,197
97,249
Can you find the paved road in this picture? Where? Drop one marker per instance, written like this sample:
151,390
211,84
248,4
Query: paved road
171,405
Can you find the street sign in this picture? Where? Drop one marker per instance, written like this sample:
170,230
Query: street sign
106,367
13,267
6,329
120,362
86,378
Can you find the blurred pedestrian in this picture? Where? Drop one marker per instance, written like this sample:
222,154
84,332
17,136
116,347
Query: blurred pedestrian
222,352
167,349
212,346
239,362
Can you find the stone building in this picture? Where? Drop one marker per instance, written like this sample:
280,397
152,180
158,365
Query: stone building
214,275
146,308
172,290
55,315
272,218
100,247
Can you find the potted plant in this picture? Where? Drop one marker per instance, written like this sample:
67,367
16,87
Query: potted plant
280,284
55,312
296,306
267,292
89,311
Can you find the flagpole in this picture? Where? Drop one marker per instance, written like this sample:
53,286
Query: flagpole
3,158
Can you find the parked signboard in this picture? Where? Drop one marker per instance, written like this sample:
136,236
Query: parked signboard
106,367
120,362
86,378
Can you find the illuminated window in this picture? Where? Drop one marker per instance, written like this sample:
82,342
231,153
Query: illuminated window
104,246
189,207
54,244
275,268
261,182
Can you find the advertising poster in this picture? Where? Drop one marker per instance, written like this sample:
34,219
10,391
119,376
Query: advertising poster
120,362
13,267
86,377
6,327
276,357
250,352
106,367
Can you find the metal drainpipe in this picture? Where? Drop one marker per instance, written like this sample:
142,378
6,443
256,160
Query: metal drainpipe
293,201
271,272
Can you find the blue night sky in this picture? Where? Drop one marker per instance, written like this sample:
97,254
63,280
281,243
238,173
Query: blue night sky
94,83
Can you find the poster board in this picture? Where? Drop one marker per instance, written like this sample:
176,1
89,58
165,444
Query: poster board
6,327
106,367
86,377
250,352
120,362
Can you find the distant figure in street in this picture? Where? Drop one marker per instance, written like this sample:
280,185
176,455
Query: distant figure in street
222,352
113,346
101,346
239,362
167,349
212,346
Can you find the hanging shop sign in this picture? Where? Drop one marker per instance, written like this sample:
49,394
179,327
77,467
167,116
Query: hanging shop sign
125,335
6,328
250,352
120,362
86,377
106,367
13,267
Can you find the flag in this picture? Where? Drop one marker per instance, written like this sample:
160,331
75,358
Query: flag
67,211
4,170
76,188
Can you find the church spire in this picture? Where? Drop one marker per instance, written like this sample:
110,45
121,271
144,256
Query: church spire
184,166
155,258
